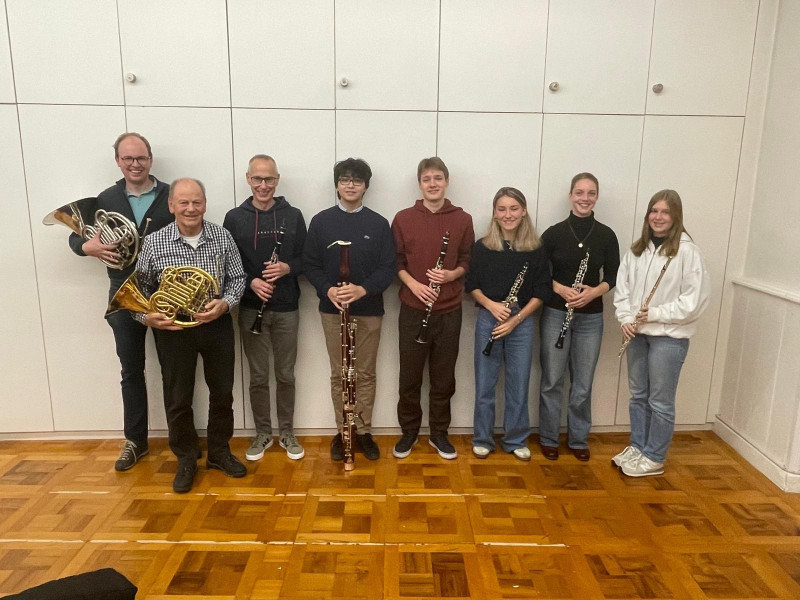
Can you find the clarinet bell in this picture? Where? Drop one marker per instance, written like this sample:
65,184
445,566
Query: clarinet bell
256,328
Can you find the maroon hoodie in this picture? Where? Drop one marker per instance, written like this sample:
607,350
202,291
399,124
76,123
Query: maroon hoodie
418,236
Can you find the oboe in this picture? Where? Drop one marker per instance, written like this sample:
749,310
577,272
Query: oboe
276,253
423,328
636,321
348,341
575,286
510,299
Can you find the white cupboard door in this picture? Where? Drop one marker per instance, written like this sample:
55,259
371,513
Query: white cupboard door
281,53
175,53
26,399
701,56
480,71
387,54
58,59
71,145
597,56
699,158
608,146
7,94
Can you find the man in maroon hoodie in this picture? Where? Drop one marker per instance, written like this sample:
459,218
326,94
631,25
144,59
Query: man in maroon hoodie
430,321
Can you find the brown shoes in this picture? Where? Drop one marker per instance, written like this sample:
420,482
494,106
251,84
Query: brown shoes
549,452
582,454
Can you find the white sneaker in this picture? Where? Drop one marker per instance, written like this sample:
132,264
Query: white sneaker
480,451
522,453
260,443
628,455
642,467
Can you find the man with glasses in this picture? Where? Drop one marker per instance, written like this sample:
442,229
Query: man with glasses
372,270
262,226
143,199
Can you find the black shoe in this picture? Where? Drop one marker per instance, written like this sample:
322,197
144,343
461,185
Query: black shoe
337,450
228,464
403,446
368,446
443,446
184,478
130,455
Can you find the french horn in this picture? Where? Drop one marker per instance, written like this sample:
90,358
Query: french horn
182,293
115,229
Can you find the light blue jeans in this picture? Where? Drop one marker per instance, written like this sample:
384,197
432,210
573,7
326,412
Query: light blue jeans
579,355
654,366
516,351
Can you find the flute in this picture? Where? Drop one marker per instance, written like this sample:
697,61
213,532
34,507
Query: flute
570,311
273,259
637,321
423,328
510,299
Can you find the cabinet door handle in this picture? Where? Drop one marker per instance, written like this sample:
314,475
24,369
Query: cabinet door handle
658,88
344,82
553,86
130,77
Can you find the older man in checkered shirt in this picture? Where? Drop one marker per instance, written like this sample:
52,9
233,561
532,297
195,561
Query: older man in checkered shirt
192,241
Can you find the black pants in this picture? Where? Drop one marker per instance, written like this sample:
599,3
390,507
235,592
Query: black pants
177,352
441,352
129,337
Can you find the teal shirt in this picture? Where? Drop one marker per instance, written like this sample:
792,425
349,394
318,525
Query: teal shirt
140,204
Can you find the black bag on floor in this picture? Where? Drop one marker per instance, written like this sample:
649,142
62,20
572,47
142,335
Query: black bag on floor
105,584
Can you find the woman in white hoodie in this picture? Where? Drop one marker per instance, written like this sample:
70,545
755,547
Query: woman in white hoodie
658,331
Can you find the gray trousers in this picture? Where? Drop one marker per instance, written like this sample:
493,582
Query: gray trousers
278,331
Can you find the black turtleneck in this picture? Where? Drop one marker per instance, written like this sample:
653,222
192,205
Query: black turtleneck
561,248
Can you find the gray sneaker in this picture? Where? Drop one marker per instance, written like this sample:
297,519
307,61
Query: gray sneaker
294,449
261,442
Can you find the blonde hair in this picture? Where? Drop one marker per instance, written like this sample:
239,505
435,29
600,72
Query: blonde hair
525,237
672,240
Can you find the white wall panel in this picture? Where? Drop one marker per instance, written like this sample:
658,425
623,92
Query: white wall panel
302,142
608,147
60,60
598,53
701,54
26,398
177,50
477,73
281,53
7,93
72,146
699,158
388,52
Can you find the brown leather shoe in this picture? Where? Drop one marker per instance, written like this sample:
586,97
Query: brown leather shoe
549,452
582,454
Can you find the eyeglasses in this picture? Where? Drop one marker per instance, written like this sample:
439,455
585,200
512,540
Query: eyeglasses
256,181
128,160
356,181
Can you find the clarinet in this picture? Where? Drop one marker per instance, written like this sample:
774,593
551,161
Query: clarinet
636,321
510,299
575,285
348,341
276,252
423,328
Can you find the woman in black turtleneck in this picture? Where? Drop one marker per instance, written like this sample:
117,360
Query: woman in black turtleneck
566,244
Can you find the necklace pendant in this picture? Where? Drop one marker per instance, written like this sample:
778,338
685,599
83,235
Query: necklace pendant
580,244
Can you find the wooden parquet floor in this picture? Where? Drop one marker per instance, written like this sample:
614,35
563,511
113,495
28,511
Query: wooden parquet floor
422,527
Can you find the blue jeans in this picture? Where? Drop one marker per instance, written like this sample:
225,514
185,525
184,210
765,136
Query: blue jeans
654,366
516,349
579,355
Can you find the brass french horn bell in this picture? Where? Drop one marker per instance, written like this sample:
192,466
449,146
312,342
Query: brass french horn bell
183,292
115,229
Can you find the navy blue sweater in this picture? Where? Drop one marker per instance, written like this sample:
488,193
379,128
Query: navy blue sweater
372,257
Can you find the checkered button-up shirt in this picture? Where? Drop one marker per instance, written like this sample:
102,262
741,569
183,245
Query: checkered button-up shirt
216,251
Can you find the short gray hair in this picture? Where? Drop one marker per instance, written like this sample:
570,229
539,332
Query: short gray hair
181,179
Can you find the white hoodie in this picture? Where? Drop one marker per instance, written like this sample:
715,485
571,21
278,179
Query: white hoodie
680,299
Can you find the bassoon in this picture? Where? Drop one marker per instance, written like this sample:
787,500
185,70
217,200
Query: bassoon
273,259
423,328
